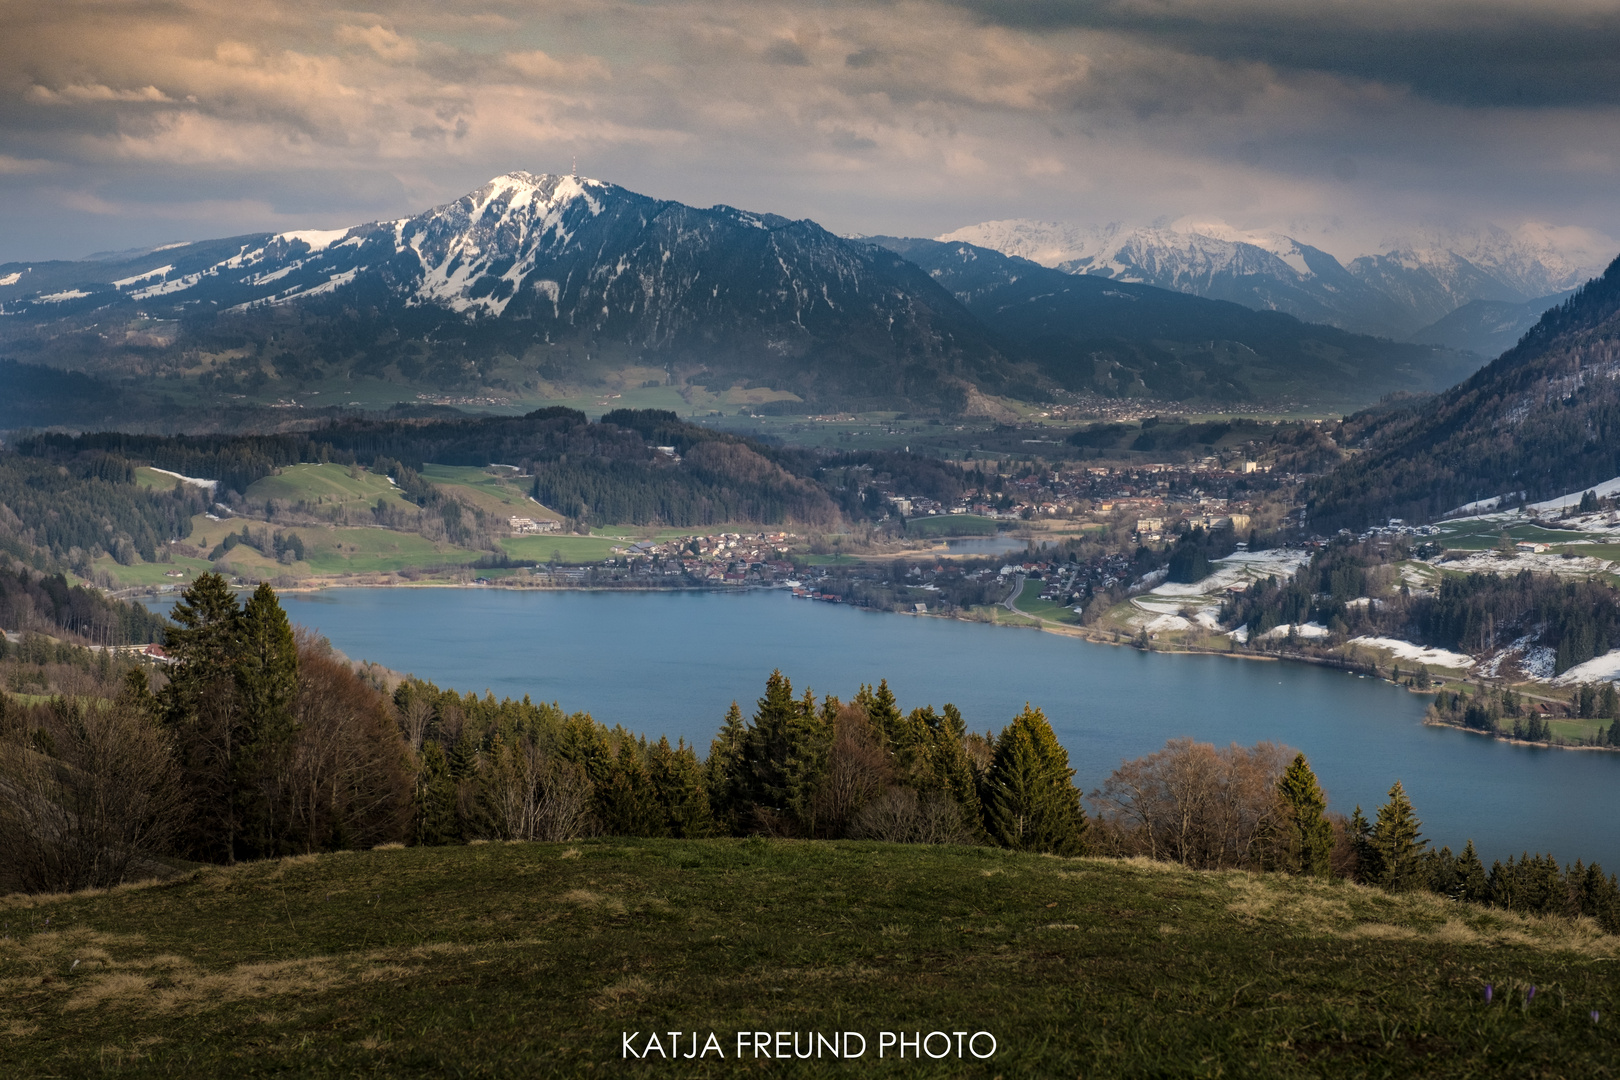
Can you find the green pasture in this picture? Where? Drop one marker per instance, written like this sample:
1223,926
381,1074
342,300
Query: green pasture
492,490
145,574
1030,603
941,525
329,484
572,549
534,959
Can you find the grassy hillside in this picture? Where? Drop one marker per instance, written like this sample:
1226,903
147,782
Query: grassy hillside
534,959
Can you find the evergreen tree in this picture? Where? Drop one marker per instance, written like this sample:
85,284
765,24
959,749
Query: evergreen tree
724,772
1310,835
1471,885
434,818
785,755
199,703
626,804
1396,844
1361,845
1031,803
266,676
676,779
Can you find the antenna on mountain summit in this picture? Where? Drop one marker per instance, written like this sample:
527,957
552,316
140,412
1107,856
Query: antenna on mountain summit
574,172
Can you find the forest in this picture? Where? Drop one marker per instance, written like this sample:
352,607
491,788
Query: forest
1353,588
259,741
74,497
1533,424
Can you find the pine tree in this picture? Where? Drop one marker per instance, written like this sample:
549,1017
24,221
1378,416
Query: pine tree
677,786
724,771
1470,877
199,703
1361,845
626,804
434,805
1310,835
266,675
785,754
1396,844
1031,803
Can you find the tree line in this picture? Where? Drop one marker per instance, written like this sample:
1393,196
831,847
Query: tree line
259,741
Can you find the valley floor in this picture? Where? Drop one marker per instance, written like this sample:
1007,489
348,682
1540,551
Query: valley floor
539,959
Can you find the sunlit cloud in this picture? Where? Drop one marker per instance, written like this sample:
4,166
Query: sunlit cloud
906,117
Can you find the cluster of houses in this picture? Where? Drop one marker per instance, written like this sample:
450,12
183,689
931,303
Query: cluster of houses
717,558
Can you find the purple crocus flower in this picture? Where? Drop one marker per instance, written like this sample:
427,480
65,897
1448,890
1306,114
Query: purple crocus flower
1487,993
1594,1016
1530,994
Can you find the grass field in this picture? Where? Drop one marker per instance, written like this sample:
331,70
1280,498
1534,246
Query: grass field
143,574
1030,603
1574,730
950,525
329,485
537,960
573,549
491,490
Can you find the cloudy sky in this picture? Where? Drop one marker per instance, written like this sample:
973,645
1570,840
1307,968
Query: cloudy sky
126,123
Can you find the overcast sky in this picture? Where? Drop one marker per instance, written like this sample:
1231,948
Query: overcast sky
126,123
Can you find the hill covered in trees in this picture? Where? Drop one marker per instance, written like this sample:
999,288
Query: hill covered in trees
1541,420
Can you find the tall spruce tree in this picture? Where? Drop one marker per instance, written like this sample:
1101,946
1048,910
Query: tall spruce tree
199,703
1470,878
1030,801
1397,845
724,775
266,676
786,755
1310,835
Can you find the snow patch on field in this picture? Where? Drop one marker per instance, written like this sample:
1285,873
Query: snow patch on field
1240,567
208,485
1490,562
1608,487
1597,669
1301,630
1405,650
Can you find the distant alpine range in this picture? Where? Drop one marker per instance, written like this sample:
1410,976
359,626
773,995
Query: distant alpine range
536,283
1478,290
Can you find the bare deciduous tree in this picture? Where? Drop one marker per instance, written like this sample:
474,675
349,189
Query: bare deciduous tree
346,782
86,796
902,816
1194,804
857,771
528,794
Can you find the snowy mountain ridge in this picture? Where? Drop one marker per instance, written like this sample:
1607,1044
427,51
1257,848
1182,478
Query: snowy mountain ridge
1415,282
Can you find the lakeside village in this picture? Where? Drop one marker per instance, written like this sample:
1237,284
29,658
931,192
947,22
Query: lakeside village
1066,510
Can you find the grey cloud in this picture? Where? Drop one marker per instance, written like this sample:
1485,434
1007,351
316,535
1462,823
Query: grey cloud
1528,53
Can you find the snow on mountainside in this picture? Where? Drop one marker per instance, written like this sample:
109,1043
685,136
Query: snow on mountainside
564,272
1415,283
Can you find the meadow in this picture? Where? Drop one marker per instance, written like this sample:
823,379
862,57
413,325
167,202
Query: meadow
537,960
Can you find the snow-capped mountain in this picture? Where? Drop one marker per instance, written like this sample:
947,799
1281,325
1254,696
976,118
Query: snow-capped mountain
1416,282
554,273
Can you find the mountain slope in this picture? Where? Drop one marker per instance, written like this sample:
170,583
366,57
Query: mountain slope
1488,328
1540,420
1089,333
1416,282
528,277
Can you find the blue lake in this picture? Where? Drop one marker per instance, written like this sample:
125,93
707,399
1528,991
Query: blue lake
669,663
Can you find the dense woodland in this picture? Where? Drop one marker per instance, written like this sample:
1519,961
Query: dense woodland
1541,420
608,471
34,602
